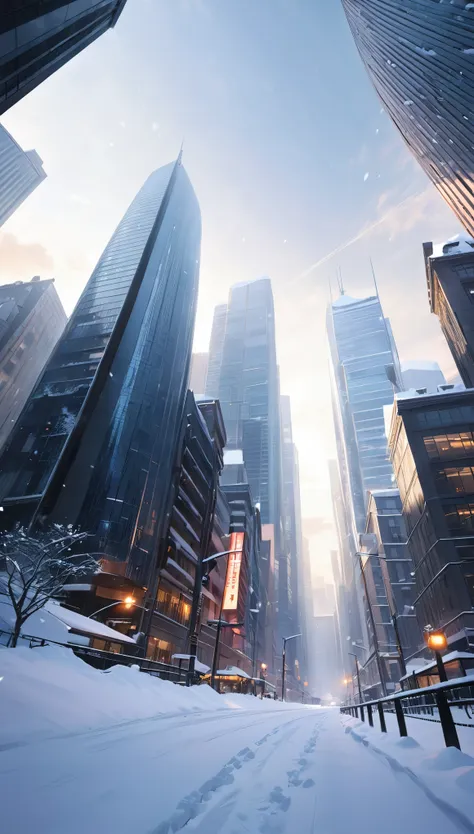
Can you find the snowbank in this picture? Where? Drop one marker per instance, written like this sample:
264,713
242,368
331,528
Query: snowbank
48,691
446,775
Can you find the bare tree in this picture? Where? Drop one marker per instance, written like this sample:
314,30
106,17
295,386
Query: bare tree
35,569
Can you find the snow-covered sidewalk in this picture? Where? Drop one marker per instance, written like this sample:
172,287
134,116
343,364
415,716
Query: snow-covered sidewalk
221,766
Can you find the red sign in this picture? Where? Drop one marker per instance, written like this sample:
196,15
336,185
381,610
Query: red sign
231,591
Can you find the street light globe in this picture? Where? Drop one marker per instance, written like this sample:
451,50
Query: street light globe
129,601
264,666
437,640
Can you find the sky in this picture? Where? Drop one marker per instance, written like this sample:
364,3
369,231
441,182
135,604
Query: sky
298,170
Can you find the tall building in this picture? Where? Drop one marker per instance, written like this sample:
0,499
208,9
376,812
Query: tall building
96,445
419,57
364,361
216,350
38,38
31,321
450,277
198,373
20,173
422,374
243,375
432,448
291,553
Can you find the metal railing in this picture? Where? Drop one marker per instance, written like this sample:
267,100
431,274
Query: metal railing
432,703
105,660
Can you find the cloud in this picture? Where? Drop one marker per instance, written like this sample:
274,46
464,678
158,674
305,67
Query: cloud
314,526
367,230
20,261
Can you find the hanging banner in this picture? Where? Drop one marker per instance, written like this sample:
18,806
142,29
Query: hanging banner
231,590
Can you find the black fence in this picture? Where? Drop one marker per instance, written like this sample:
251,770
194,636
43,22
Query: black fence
433,703
105,660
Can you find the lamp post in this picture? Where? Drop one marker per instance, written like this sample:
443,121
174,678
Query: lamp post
200,580
353,654
436,641
372,622
283,658
220,623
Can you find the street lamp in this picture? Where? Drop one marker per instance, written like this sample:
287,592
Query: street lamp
436,641
372,622
200,580
128,602
220,623
283,658
353,654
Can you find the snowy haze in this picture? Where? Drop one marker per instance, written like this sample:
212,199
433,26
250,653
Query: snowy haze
297,170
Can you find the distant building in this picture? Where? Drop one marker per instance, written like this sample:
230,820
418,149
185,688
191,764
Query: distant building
450,276
216,349
328,671
418,55
422,374
31,321
20,173
432,448
198,373
290,564
38,39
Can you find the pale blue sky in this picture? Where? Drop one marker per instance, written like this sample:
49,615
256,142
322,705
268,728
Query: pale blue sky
280,127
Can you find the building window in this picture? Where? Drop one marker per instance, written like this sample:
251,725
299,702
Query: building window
459,517
450,446
455,480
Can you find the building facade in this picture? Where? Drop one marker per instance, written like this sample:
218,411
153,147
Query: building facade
419,57
450,278
289,573
432,448
198,373
364,359
36,39
20,173
32,319
98,441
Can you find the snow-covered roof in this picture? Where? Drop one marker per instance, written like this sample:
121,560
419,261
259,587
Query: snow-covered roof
85,625
415,667
233,670
199,667
233,456
420,365
458,245
345,300
384,493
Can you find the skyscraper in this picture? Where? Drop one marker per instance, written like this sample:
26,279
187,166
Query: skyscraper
418,54
243,374
198,373
20,172
31,321
364,360
38,38
450,278
96,444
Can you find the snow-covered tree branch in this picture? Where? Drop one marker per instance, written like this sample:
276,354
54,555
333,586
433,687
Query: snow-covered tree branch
35,569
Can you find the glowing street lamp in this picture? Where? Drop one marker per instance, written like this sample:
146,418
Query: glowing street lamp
436,641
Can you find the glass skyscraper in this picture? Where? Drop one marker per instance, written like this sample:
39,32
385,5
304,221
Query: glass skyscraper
243,374
96,444
20,172
36,38
363,357
419,55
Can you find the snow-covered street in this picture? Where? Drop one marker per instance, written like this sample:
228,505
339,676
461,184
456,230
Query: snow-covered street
273,769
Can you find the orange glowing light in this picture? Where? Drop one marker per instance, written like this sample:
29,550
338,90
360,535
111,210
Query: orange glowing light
129,601
437,640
